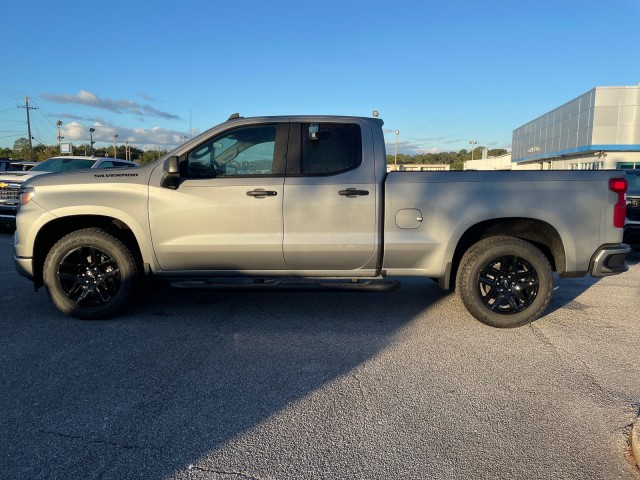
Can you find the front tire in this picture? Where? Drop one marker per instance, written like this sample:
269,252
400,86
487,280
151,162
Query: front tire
90,274
505,282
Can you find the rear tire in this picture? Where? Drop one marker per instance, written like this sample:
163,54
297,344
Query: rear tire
90,274
505,282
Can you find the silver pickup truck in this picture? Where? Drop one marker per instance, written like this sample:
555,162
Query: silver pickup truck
262,201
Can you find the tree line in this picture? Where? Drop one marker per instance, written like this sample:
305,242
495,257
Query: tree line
454,159
20,151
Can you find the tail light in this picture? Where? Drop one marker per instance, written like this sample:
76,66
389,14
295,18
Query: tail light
619,186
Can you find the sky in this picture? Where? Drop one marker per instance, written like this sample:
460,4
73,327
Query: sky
442,73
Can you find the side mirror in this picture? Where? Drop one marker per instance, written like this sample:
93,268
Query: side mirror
171,177
171,165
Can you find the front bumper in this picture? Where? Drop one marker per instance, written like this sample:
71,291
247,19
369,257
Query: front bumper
7,217
609,260
24,266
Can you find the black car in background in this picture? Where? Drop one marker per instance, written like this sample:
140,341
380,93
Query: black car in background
9,165
632,225
5,163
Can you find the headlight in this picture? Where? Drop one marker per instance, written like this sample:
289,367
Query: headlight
26,194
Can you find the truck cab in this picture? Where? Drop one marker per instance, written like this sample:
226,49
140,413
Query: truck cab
275,195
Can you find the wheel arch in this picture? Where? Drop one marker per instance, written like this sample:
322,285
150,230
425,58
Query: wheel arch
54,230
537,232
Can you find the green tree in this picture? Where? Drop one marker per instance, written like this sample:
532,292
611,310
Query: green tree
151,156
496,152
42,152
21,149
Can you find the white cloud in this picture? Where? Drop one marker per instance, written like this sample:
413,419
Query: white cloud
78,133
90,99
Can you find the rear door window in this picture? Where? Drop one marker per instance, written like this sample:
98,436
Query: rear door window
329,148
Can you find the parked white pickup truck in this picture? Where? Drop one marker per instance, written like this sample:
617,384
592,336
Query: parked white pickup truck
264,200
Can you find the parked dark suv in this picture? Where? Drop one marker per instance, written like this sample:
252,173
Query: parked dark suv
632,225
5,163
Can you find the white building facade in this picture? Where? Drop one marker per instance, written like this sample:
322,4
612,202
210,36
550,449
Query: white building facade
600,129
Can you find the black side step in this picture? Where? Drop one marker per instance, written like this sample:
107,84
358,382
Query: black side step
303,285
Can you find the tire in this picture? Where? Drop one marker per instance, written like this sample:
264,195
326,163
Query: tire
90,274
505,282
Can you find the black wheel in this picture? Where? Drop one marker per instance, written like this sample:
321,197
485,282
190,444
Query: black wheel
505,282
90,274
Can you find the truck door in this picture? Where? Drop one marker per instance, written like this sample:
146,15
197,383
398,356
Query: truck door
226,213
330,198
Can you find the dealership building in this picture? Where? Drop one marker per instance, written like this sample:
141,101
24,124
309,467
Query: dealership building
600,129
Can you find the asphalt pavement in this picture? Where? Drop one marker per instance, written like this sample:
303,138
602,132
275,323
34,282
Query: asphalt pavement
290,385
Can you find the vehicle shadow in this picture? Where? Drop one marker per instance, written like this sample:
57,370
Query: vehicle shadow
567,290
181,375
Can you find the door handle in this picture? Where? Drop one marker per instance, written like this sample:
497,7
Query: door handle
353,192
261,193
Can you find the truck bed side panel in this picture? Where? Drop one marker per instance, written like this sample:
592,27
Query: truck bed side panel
574,203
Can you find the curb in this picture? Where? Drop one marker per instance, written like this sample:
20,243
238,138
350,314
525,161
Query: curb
635,440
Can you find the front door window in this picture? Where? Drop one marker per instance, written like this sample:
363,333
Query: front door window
246,151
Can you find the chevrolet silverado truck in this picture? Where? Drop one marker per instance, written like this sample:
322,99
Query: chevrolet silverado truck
264,201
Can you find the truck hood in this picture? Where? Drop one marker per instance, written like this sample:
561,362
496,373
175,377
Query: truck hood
19,176
92,176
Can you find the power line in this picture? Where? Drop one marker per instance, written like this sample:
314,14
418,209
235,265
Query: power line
43,115
12,123
4,92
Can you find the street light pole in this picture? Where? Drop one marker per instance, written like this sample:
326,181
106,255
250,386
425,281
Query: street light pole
59,124
395,157
472,143
114,146
91,130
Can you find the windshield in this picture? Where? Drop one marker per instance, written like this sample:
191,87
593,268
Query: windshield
63,165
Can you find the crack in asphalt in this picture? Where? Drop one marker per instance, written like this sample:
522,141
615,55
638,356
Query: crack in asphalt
224,472
567,357
624,430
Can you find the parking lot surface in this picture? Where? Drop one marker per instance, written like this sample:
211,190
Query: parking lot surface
281,385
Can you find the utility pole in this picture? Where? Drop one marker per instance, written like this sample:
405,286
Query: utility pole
59,124
472,143
395,156
91,130
28,125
